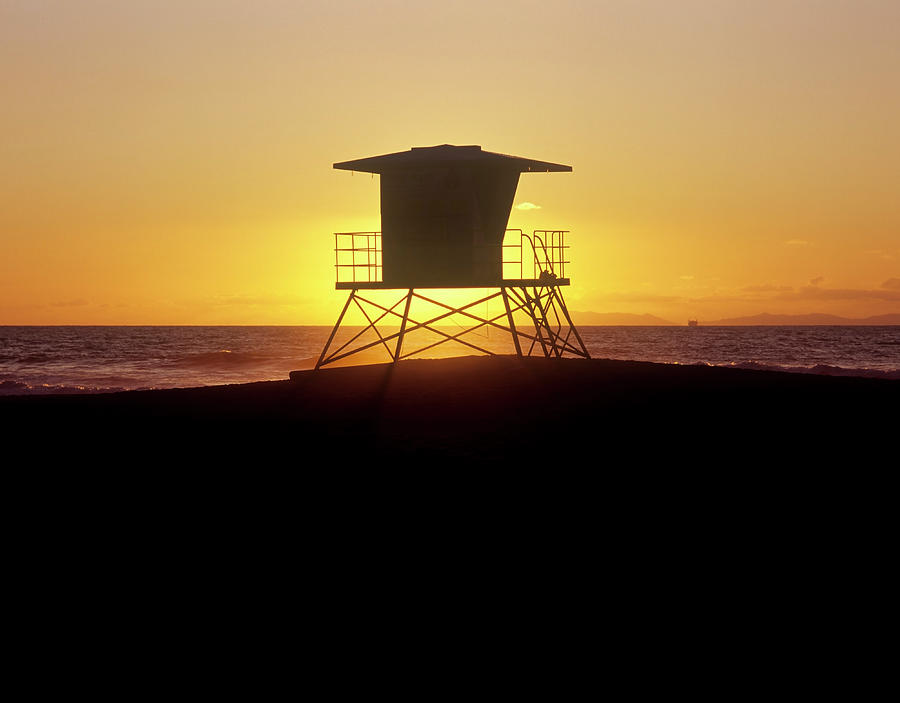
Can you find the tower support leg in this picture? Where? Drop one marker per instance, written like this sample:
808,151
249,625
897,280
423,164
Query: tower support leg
512,324
336,326
565,311
534,318
552,337
409,297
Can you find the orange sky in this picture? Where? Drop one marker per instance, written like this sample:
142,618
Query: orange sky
170,162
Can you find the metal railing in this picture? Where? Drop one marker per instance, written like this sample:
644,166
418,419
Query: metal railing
547,249
357,257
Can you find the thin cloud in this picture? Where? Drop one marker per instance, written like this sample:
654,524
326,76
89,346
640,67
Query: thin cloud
264,300
766,288
724,298
797,243
641,298
891,284
816,281
527,206
815,293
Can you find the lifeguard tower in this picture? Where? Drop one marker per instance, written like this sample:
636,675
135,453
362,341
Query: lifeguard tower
444,216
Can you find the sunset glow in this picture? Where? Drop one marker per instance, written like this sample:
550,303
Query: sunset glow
171,162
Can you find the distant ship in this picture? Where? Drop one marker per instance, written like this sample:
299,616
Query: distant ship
692,323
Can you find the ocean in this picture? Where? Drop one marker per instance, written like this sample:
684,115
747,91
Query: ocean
40,360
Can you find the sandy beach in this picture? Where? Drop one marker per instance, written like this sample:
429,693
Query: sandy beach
498,410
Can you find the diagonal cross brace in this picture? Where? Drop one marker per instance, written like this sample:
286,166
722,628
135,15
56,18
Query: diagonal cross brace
539,307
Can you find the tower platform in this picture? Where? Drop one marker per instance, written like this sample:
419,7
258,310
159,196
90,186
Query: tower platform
505,283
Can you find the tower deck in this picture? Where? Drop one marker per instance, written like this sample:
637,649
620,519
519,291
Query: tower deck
500,283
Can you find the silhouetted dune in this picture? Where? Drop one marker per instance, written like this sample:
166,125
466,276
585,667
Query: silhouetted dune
495,411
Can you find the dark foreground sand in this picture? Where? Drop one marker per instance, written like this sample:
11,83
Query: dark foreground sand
480,410
668,490
674,505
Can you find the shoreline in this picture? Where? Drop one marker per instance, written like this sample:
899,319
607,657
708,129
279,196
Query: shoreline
21,388
485,408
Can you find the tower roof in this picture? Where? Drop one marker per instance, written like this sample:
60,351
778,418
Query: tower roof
420,156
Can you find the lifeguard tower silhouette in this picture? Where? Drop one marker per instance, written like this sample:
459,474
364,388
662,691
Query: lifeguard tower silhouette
444,213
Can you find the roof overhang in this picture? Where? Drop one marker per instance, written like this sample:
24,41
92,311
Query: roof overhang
446,154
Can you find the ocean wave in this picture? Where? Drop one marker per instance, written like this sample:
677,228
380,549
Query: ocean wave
21,388
37,358
224,358
819,370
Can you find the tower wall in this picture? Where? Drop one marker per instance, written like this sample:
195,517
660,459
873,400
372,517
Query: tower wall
443,224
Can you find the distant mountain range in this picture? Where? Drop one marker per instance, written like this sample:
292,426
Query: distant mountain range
627,319
811,319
